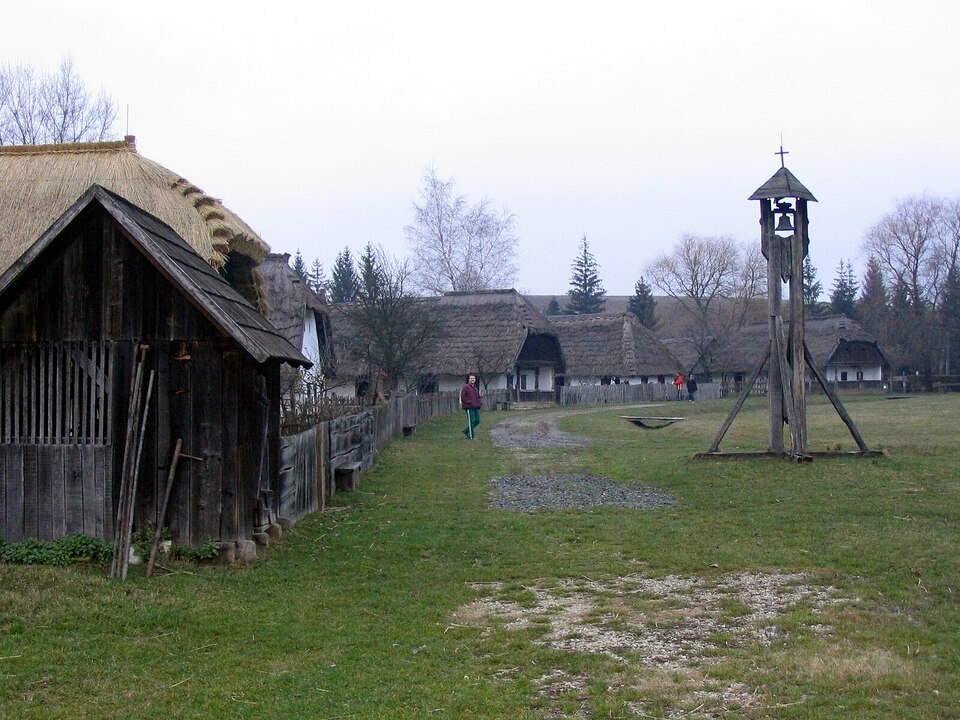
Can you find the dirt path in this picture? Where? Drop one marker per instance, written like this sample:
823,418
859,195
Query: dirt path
539,430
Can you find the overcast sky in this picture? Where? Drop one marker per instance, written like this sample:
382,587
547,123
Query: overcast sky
631,123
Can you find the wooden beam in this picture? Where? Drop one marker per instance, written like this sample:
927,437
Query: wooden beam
744,394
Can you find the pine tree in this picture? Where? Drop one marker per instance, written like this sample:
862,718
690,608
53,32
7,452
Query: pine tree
586,294
371,274
812,288
553,307
300,267
843,294
344,282
643,305
318,278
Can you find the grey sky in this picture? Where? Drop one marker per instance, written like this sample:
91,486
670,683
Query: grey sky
628,122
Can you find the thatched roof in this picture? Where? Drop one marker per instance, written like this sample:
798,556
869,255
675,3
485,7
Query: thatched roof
826,337
288,298
611,346
39,182
486,330
209,292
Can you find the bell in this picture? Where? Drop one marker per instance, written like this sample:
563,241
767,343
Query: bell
784,224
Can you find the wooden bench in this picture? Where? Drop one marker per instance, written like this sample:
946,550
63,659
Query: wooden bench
347,476
650,422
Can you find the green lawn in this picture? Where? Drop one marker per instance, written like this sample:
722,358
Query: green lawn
414,600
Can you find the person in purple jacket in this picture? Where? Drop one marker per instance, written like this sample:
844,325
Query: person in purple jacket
470,401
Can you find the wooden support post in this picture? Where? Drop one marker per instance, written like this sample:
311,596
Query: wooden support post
744,394
798,430
835,400
773,245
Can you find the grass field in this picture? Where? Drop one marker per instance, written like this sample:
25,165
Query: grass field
767,590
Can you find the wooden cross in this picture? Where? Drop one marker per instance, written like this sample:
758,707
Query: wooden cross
782,153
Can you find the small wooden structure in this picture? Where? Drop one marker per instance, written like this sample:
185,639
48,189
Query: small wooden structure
783,209
651,422
108,284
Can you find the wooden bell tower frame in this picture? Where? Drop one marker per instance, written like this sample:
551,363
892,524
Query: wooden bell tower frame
783,209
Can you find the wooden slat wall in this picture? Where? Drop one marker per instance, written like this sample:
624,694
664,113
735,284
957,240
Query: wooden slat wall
50,491
56,393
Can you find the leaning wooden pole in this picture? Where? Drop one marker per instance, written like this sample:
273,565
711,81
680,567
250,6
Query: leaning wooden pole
835,400
744,394
155,546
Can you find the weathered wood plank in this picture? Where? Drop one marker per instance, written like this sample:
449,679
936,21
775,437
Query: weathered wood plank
53,505
230,509
13,495
31,501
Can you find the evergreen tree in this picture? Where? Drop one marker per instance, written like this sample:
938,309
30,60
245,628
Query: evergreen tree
318,278
873,306
300,267
553,308
843,294
344,282
371,274
586,294
643,305
812,288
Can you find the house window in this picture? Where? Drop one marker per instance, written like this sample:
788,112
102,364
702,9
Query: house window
843,376
860,375
662,379
523,381
644,379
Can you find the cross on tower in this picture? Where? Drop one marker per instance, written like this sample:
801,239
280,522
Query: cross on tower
781,154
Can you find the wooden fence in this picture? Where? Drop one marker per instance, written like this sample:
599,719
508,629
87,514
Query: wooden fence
309,459
624,394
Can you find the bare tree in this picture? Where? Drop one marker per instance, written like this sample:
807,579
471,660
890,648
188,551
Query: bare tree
55,108
393,330
716,282
917,246
457,246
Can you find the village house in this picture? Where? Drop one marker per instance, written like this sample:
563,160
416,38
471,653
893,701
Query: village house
846,354
495,334
612,349
101,289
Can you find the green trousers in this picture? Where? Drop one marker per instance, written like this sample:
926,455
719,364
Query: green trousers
473,419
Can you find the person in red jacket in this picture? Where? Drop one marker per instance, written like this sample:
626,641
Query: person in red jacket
678,384
470,401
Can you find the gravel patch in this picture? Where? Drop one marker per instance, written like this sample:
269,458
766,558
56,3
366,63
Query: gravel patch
530,493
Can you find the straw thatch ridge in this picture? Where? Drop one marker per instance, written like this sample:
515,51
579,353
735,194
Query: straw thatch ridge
288,300
39,182
485,332
831,339
597,346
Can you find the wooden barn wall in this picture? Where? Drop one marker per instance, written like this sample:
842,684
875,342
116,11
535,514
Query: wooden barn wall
93,284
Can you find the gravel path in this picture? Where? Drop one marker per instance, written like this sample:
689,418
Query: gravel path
530,493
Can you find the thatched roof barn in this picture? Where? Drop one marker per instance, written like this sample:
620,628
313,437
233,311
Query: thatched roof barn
599,348
39,182
490,331
842,349
108,287
496,334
